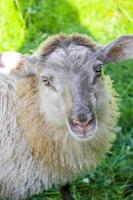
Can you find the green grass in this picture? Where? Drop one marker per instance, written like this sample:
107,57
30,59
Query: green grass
25,24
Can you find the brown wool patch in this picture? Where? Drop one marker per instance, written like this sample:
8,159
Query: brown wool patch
56,41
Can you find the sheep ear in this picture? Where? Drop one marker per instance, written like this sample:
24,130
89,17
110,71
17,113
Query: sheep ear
17,64
120,49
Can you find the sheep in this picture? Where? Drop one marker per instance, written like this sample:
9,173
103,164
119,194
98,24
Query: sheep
58,112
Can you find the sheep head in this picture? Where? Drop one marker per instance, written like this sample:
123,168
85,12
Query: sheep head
72,91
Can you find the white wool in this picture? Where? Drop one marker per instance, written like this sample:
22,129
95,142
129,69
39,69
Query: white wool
9,60
16,162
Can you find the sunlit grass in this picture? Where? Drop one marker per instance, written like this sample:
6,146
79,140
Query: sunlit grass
106,19
25,24
12,31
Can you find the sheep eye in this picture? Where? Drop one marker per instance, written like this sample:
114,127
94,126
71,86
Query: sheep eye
46,82
98,70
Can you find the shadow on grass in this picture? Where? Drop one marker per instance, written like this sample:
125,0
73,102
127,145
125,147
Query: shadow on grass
43,18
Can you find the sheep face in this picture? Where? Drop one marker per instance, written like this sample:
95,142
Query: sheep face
72,90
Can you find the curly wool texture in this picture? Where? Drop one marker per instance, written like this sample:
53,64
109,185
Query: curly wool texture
35,155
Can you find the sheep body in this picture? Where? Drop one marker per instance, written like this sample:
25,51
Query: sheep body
35,155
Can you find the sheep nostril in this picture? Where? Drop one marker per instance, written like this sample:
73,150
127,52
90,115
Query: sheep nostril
77,123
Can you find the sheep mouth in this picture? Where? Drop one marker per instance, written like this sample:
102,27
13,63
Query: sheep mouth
82,133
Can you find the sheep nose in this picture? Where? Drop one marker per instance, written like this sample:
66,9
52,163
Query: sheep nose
80,124
82,121
83,118
85,124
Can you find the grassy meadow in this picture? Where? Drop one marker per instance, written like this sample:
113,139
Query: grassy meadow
24,24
